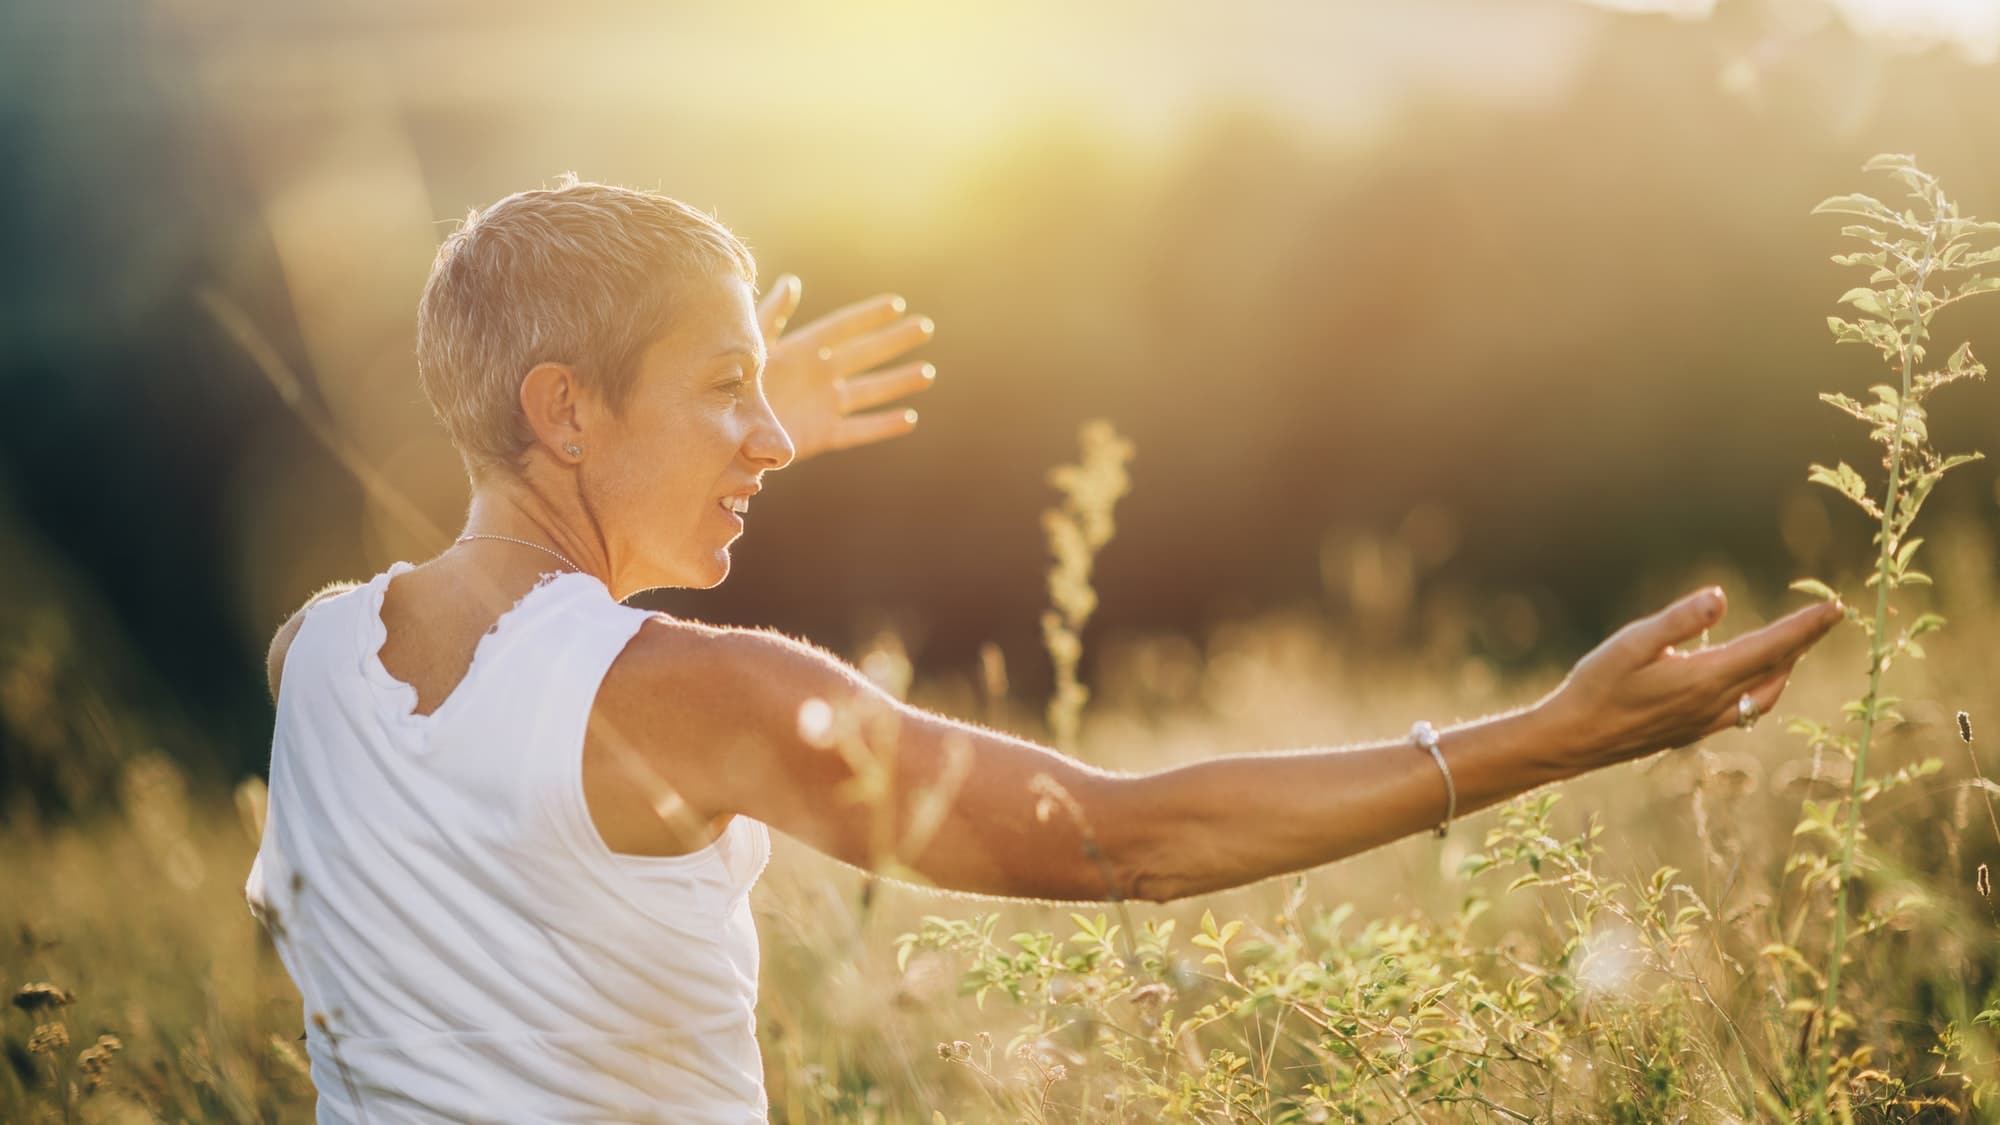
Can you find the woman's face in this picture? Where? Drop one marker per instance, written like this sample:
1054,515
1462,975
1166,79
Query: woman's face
696,434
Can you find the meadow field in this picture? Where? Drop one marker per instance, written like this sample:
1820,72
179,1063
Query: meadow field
1446,332
1643,944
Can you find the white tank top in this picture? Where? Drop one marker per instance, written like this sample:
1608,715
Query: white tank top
440,896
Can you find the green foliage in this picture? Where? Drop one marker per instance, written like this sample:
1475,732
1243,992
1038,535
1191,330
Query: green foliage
1922,260
1626,1000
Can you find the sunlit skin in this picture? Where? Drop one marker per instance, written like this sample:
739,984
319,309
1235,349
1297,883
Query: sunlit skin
640,505
695,724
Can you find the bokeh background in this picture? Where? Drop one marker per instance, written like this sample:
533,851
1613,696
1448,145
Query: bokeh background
1465,326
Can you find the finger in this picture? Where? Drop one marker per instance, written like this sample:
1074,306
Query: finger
849,321
1648,637
778,305
1782,641
863,392
1764,692
866,429
875,348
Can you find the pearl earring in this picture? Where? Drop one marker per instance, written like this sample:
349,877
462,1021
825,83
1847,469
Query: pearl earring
573,449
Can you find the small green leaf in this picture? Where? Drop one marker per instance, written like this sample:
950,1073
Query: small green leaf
1816,588
1846,481
1908,549
1867,300
1890,162
1926,623
1866,206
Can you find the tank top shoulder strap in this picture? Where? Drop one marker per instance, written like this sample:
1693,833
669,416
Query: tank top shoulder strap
539,672
530,709
539,695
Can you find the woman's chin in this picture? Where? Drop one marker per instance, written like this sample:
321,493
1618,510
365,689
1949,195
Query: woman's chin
715,570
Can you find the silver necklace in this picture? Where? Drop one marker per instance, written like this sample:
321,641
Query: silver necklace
524,543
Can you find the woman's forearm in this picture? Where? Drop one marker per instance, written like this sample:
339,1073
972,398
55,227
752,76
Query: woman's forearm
1235,819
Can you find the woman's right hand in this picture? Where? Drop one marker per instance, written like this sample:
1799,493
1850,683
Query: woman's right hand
1637,693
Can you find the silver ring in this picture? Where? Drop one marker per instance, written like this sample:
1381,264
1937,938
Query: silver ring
1746,711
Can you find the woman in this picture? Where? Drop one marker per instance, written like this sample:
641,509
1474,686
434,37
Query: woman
513,822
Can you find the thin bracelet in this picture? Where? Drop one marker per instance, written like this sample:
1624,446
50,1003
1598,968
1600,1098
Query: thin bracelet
1426,736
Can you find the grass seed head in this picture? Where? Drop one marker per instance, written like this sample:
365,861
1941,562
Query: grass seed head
41,996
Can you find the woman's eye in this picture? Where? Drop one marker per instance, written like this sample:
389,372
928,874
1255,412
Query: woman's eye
736,386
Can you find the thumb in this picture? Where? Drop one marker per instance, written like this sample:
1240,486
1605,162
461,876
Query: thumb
1683,620
778,305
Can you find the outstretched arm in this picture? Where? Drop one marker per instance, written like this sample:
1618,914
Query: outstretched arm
750,722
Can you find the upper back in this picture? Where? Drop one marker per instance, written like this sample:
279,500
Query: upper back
439,875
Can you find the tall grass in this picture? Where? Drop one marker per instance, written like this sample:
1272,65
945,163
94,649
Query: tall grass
1538,959
1752,929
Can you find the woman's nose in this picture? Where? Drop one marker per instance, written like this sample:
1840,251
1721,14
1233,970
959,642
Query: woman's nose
770,443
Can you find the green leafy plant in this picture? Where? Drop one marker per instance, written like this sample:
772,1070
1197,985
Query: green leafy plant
1922,259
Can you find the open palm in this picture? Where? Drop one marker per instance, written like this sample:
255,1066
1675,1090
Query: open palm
823,380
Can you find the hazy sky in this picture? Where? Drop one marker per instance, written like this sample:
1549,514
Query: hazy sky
1970,26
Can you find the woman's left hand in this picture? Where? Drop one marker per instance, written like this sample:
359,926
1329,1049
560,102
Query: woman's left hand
818,377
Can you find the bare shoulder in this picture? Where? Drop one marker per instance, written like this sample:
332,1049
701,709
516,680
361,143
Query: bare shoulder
708,676
281,643
718,708
729,721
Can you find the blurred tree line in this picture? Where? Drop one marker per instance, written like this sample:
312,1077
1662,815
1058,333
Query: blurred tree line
1542,350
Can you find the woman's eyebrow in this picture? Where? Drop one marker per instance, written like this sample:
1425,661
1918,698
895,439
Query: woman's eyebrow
755,356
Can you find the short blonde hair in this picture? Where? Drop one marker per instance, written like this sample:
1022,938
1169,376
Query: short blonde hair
581,273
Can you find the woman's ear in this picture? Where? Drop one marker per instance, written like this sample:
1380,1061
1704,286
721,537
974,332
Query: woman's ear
552,403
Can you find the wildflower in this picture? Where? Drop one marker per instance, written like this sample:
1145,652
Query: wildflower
41,995
95,1060
48,1037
